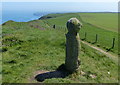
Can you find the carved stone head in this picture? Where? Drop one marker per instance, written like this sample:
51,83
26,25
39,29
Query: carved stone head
74,25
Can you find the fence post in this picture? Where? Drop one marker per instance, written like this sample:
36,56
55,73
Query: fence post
113,43
54,26
85,35
96,38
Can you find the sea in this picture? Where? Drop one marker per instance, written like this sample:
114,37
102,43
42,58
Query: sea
21,16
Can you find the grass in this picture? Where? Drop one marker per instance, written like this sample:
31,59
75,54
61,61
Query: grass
105,36
35,45
106,21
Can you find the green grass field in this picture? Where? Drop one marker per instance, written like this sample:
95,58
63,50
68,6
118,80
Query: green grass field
105,36
35,45
108,21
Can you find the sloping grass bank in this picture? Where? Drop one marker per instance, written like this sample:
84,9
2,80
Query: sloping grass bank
105,36
32,46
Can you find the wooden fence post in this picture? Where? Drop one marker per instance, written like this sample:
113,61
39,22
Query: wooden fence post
113,43
85,35
96,38
54,26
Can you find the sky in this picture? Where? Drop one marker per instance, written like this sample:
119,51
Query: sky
60,6
60,0
89,5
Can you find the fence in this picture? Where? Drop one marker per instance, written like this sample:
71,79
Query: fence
96,41
96,36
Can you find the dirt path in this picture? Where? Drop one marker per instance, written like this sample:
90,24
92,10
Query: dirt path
115,58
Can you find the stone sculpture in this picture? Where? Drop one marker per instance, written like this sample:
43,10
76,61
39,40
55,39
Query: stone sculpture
72,45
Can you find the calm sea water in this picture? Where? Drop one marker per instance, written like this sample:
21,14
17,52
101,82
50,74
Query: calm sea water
21,16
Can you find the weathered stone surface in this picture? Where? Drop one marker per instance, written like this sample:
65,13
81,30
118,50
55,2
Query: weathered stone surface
72,44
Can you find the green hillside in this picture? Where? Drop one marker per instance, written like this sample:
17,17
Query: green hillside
108,21
32,46
105,37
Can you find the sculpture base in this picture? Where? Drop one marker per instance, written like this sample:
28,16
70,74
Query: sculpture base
72,69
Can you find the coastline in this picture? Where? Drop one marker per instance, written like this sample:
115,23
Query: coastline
38,17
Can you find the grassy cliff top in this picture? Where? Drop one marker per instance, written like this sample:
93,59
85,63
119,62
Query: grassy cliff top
29,47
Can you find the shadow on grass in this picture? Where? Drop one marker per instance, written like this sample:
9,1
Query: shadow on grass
60,72
109,49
